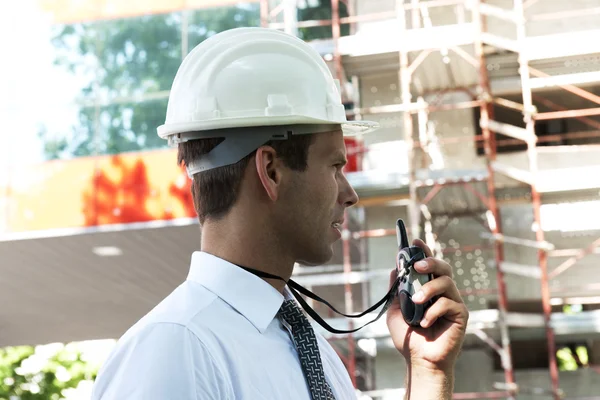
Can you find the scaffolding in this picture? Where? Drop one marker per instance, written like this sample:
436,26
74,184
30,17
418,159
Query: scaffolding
282,14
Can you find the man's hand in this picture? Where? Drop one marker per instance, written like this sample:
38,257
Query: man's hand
432,349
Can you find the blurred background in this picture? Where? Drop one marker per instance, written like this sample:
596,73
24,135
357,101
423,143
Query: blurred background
489,150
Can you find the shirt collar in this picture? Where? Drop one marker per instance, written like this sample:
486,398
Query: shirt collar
248,294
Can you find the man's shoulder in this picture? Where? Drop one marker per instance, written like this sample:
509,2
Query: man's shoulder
184,306
160,357
165,344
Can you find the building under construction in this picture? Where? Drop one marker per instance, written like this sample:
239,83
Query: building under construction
488,149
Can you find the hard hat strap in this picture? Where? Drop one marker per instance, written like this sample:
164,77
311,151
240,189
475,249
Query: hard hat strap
231,150
239,143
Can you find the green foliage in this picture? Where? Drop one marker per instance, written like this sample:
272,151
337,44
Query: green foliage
572,308
121,60
42,373
565,359
572,358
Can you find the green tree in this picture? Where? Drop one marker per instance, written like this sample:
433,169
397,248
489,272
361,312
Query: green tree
126,59
43,373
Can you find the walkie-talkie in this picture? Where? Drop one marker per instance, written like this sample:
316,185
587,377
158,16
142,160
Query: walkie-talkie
410,280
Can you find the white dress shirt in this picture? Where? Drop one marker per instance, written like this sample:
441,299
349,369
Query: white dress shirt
216,336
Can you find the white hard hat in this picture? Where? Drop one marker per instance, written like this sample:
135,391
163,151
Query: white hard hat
252,77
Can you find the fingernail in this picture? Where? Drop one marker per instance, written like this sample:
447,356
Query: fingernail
424,322
419,296
422,264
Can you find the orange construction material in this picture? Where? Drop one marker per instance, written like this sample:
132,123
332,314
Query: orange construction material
133,187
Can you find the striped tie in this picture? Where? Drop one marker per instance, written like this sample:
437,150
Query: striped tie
308,350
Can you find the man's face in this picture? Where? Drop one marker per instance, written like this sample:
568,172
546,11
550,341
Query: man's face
314,200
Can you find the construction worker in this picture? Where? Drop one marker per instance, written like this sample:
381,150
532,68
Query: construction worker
259,125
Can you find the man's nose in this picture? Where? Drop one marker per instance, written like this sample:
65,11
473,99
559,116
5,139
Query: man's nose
348,196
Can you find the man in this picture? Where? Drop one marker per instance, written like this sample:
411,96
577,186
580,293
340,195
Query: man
259,123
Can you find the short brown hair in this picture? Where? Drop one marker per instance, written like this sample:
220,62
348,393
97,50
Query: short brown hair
215,191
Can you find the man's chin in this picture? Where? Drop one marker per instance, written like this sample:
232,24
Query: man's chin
317,259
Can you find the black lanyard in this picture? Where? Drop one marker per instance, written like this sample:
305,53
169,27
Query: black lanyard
295,288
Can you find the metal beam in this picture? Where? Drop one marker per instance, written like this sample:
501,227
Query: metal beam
565,14
455,106
432,193
368,17
511,130
568,114
451,181
301,24
501,13
573,260
525,320
391,108
341,278
466,56
565,79
570,88
529,271
418,60
568,252
557,107
500,42
373,233
490,342
517,174
546,246
276,10
513,105
477,194
433,3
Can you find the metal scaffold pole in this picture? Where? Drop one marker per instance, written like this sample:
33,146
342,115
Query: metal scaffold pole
405,80
529,111
495,221
264,13
346,236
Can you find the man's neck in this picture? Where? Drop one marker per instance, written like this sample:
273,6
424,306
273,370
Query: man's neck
246,247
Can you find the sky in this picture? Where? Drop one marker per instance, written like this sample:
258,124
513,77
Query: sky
32,90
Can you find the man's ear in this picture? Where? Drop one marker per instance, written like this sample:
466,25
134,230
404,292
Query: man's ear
269,171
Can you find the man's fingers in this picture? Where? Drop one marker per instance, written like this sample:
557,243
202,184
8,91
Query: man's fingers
443,286
433,266
445,307
421,244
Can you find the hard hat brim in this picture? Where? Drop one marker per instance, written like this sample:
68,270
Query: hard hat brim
349,128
